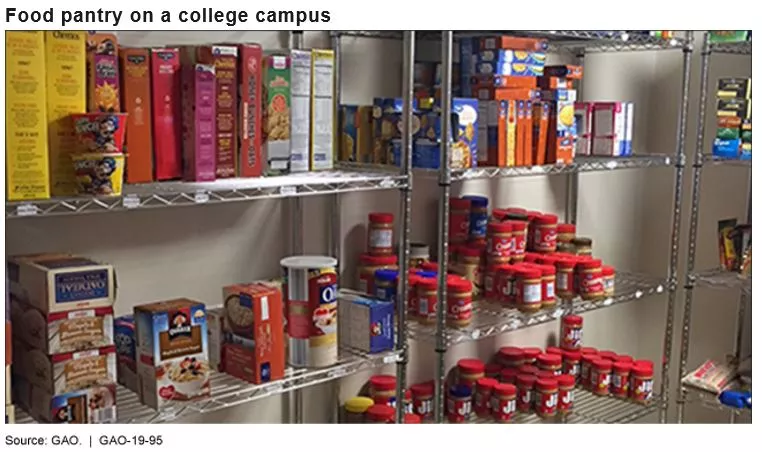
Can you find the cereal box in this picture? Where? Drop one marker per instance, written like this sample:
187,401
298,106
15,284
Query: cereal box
225,61
520,133
215,329
172,351
102,73
512,42
126,364
368,324
387,126
528,143
322,127
562,131
92,405
250,110
508,68
567,71
65,88
26,126
63,332
540,120
583,114
465,149
167,120
277,112
61,283
301,85
503,57
199,122
135,65
612,128
357,135
546,83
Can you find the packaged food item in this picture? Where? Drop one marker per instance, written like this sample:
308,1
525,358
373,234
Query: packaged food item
250,162
301,85
511,357
612,128
504,56
216,331
554,83
367,270
380,414
101,133
465,148
710,376
540,122
172,349
503,81
600,376
26,116
135,66
571,332
509,68
740,108
459,403
733,87
567,71
642,382
729,36
512,42
357,136
102,73
98,174
92,405
583,113
467,49
385,283
380,233
566,394
322,110
199,122
167,119
423,396
276,75
125,340
546,404
562,130
368,325
355,409
525,385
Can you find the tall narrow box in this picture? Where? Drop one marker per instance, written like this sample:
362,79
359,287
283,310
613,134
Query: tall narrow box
540,120
167,119
102,73
323,110
612,128
26,139
277,112
301,84
250,115
65,74
507,140
199,127
135,65
583,112
357,135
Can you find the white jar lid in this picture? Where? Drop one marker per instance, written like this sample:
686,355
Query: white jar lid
303,262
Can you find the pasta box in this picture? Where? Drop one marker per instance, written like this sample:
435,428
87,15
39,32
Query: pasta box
91,405
368,324
508,68
125,341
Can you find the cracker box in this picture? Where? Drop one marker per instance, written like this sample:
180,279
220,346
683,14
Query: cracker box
508,68
172,351
503,57
562,130
56,283
739,88
102,73
215,327
612,128
466,129
10,415
567,71
540,123
92,405
225,61
199,122
514,43
301,85
322,128
546,83
126,365
66,94
250,162
135,65
501,134
357,137
276,75
368,325
583,113
166,97
64,332
26,139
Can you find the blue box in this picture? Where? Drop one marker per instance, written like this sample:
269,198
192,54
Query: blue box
366,324
729,149
126,347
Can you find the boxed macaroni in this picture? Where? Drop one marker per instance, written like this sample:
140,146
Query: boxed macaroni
612,128
199,122
102,73
167,118
322,127
509,68
503,57
301,82
65,88
135,65
126,366
583,112
26,140
92,405
172,351
357,135
277,112
368,325
250,111
567,71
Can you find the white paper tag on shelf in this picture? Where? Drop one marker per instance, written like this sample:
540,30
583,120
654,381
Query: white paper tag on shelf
386,182
475,334
612,165
275,387
660,289
558,313
390,359
201,197
26,210
336,373
130,202
288,190
537,169
514,324
638,293
610,301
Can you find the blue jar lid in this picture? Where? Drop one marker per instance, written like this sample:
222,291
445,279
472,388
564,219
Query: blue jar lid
426,273
479,201
460,391
386,274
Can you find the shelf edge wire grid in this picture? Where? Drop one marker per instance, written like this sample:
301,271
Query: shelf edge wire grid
169,194
228,391
589,409
491,319
709,401
718,278
734,48
715,160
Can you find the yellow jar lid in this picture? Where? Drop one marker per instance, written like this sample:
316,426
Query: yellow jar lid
358,404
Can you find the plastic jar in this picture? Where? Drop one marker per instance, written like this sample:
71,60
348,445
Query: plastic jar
426,291
382,387
583,246
565,393
531,257
609,276
469,263
511,357
423,399
458,403
550,363
492,370
412,297
528,369
566,248
380,414
590,280
509,374
478,217
642,382
545,374
545,234
548,286
407,401
531,354
586,369
460,210
525,398
546,390
571,332
500,241
625,359
380,233
355,408
588,351
470,370
600,376
519,240
419,253
430,266
608,354
459,301
367,270
503,402
528,289
565,278
483,396
410,418
620,379
554,351
489,292
498,215
566,232
385,284
571,363
532,229
505,285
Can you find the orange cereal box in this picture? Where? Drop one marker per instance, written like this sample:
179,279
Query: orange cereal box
102,73
135,65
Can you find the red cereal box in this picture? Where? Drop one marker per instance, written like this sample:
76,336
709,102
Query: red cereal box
167,120
250,110
199,100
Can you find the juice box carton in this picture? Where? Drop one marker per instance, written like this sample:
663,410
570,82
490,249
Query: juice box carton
277,112
503,81
567,71
102,73
172,351
61,283
301,85
508,68
540,124
166,94
215,328
583,113
224,58
740,108
514,43
65,85
199,122
734,87
503,57
250,162
91,405
322,130
562,130
357,136
135,65
26,122
126,360
368,325
612,128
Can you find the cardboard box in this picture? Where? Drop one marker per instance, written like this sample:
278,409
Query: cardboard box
250,111
215,328
612,128
740,108
562,130
467,52
726,148
739,88
65,75
135,65
546,83
509,68
323,125
583,114
521,118
503,81
368,325
540,123
102,73
93,405
126,366
225,61
167,118
567,71
503,57
26,140
301,85
199,122
512,42
465,149
528,144
63,332
357,135
61,283
172,351
277,112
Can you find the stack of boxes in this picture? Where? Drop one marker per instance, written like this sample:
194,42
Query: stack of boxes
64,356
733,138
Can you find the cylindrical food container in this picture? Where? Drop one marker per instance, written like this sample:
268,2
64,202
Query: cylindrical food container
478,217
100,132
531,354
492,370
588,351
572,332
419,253
460,211
312,311
554,351
620,379
498,215
531,257
546,390
642,382
411,418
412,297
459,301
548,286
490,279
459,404
546,374
430,266
590,279
510,356
503,402
583,246
625,359
355,408
565,393
426,291
99,174
550,363
528,369
565,278
483,396
586,369
609,277
380,233
600,376
566,232
385,284
519,240
608,354
382,387
525,385
380,414
545,233
500,241
571,363
528,289
469,262
566,248
367,270
509,374
531,215
470,370
504,285
423,396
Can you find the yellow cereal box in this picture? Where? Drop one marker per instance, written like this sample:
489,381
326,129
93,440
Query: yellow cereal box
322,124
66,94
26,127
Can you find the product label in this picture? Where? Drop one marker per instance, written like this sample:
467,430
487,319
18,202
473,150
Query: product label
585,371
459,227
642,389
505,288
545,239
380,238
547,403
478,225
322,289
619,384
520,244
86,330
387,293
503,409
532,293
591,283
459,308
481,403
458,410
423,408
562,282
572,337
565,400
500,246
550,291
601,381
571,368
180,332
81,286
524,402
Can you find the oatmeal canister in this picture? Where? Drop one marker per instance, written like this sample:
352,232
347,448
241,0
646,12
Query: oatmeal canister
600,377
620,379
380,233
458,404
571,331
565,393
355,408
525,399
367,270
642,382
470,370
312,311
459,304
380,414
503,402
483,396
546,391
423,396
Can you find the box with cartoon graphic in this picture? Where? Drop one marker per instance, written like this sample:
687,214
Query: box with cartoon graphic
503,57
562,130
91,405
357,135
367,324
103,73
509,68
126,365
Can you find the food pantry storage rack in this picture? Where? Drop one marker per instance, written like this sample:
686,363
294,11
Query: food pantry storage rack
715,278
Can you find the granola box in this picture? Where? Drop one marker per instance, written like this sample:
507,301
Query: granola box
166,89
301,82
135,66
125,341
199,137
277,112
323,115
250,110
92,405
172,351
102,73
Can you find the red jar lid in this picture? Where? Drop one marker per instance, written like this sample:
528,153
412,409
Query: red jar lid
572,355
460,203
566,263
427,283
547,219
459,284
644,362
422,389
505,389
506,269
518,226
528,273
518,210
565,228
547,383
380,412
589,358
525,380
549,360
643,370
602,364
486,383
411,418
367,259
530,257
531,353
547,270
492,369
499,227
607,270
412,279
566,380
625,358
554,351
574,320
470,250
511,353
498,214
471,366
430,266
589,263
588,350
545,374
608,354
533,214
548,260
381,217
509,374
528,369
622,366
383,382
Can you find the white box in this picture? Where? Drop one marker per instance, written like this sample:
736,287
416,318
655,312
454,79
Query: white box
322,94
612,128
301,82
215,327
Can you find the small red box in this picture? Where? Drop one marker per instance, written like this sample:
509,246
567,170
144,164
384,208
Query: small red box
167,119
250,106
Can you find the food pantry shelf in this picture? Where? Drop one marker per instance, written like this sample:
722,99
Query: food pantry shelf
490,319
736,48
228,391
169,194
713,159
710,401
720,278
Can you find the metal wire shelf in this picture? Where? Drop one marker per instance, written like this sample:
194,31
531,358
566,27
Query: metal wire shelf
735,48
228,391
710,401
719,278
490,319
172,194
715,160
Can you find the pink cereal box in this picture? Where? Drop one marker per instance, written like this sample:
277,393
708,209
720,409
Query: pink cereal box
199,108
167,121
